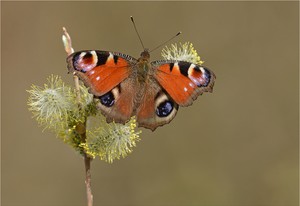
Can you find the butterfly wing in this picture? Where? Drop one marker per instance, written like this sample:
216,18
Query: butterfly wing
106,75
100,71
183,81
157,107
118,105
172,84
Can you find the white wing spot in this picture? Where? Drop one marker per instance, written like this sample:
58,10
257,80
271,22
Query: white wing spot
97,78
111,56
176,66
82,55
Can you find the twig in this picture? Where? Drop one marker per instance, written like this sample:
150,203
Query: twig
67,42
89,194
81,127
77,90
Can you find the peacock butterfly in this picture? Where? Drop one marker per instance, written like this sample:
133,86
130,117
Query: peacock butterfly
152,91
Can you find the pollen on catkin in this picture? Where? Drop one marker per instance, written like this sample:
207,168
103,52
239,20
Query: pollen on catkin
55,107
50,104
182,52
110,141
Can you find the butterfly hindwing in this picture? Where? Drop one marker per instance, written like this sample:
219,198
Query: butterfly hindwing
157,107
183,81
118,104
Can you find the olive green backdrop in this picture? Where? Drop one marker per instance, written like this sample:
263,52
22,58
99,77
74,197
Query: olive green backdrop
237,146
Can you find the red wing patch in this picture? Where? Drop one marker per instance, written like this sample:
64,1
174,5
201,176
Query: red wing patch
184,81
104,78
99,70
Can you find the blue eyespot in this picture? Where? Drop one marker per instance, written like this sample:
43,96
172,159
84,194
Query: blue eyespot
164,108
107,99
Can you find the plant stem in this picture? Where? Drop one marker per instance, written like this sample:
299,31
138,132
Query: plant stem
87,164
77,91
80,127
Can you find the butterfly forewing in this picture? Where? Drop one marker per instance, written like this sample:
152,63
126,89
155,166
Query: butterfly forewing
183,81
101,71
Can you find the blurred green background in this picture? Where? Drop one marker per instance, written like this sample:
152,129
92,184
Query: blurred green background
237,146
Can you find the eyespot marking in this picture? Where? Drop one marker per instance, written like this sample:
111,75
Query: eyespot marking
165,108
85,61
107,99
163,105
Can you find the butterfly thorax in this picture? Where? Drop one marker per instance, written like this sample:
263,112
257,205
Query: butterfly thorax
143,66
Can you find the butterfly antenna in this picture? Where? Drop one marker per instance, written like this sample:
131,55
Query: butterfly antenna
166,41
131,17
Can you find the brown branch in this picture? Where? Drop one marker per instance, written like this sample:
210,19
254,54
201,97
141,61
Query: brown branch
89,194
77,90
80,127
67,42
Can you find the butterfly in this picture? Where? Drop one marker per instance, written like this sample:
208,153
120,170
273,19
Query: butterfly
152,91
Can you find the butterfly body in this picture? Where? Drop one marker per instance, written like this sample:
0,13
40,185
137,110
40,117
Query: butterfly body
152,91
